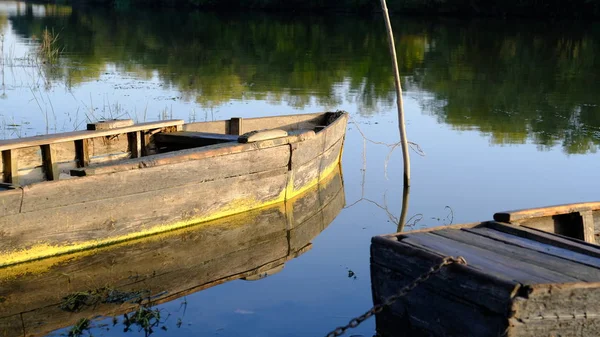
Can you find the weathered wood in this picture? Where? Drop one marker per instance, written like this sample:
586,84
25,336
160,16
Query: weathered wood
570,327
547,299
9,167
170,158
486,260
543,237
451,315
587,218
125,217
287,123
82,152
328,187
110,124
513,252
538,246
168,265
49,162
188,139
109,203
179,173
550,301
135,145
255,136
511,216
72,136
236,126
312,171
221,127
465,281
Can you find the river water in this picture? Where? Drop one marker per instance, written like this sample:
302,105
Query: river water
507,114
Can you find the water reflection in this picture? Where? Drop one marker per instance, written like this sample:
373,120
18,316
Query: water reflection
116,280
513,81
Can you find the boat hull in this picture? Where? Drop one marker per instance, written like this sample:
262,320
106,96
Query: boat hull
163,192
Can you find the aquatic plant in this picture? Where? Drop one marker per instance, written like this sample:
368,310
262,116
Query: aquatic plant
79,328
49,51
145,318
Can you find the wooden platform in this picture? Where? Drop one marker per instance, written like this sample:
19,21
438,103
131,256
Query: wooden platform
518,282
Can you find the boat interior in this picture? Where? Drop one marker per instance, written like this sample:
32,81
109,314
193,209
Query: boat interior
65,155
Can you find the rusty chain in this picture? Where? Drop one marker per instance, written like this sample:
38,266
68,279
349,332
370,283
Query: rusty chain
403,292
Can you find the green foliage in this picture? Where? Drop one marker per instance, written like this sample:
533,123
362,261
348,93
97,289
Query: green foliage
537,8
511,80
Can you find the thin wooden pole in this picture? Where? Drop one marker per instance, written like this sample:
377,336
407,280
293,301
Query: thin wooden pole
405,196
400,103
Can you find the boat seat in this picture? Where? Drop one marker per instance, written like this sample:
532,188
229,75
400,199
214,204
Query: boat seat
192,139
189,139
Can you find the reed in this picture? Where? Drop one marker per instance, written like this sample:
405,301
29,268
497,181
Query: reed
49,51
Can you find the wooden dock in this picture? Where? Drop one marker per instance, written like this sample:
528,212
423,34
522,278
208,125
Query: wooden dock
518,281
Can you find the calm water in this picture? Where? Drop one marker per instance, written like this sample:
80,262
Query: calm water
507,113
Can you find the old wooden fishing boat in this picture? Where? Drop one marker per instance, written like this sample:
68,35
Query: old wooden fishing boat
533,272
39,297
117,181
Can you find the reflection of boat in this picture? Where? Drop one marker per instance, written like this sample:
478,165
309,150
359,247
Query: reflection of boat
67,192
169,265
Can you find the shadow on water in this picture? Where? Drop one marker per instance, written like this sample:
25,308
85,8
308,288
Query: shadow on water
127,280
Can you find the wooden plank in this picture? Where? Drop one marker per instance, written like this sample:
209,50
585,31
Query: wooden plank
12,326
535,245
438,314
72,136
10,203
82,152
110,124
559,265
128,216
485,260
192,139
9,167
565,327
106,145
221,127
572,301
511,216
154,177
190,154
314,170
587,218
135,144
288,122
236,126
302,207
543,237
464,281
49,162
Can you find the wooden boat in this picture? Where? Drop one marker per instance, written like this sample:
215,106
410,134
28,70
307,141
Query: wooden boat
579,221
117,181
166,266
532,274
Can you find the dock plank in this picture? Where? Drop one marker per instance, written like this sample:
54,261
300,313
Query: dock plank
549,262
486,260
535,245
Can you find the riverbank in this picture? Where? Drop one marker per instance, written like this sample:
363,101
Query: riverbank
462,8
